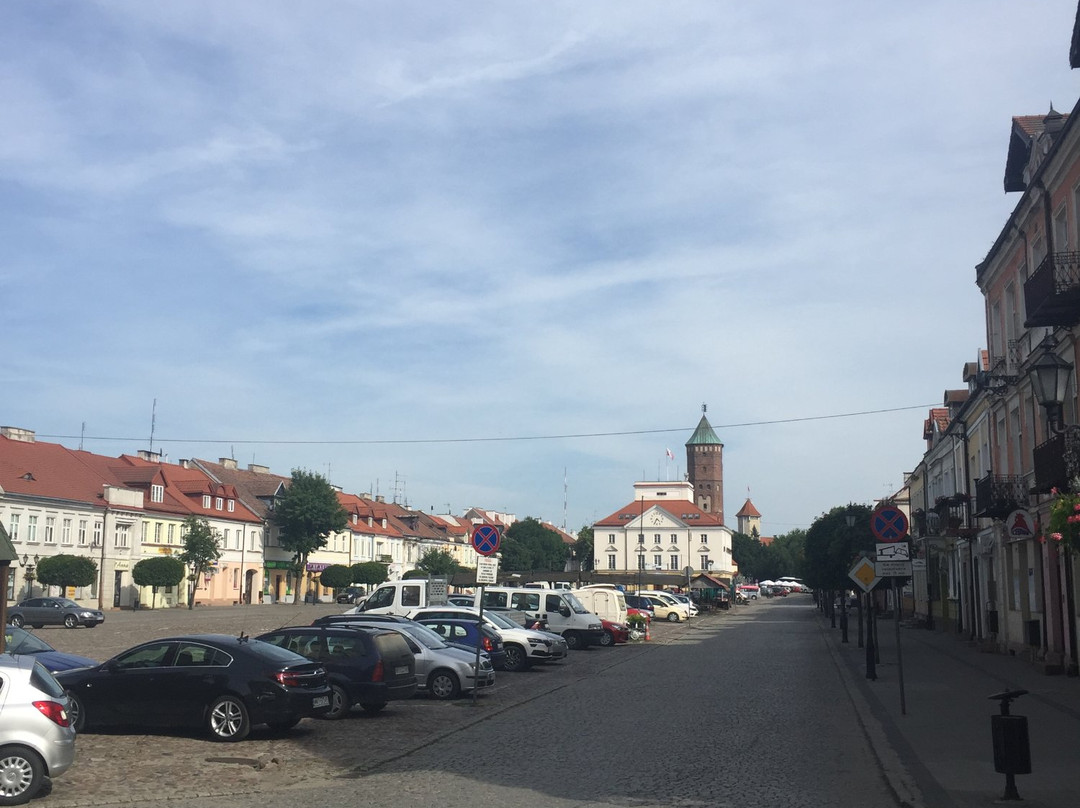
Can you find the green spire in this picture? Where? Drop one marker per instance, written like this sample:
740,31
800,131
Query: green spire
704,434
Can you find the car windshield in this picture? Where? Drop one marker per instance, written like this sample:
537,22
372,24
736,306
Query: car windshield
20,641
68,604
575,604
422,634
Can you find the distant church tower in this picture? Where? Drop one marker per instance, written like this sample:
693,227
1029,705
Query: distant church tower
705,467
749,519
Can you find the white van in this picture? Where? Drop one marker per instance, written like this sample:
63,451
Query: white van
603,600
563,613
402,597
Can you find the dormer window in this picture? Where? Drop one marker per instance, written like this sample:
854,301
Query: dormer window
157,493
232,505
218,503
206,501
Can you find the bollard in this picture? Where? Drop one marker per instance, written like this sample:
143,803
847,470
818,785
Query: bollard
1012,750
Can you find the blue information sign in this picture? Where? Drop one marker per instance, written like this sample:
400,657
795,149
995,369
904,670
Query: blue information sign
485,540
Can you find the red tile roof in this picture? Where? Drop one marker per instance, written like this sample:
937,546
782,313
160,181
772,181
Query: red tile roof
679,509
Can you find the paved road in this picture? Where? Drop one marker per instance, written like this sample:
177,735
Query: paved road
734,709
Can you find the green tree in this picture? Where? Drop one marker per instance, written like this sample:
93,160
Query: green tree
336,576
163,570
832,546
543,547
66,570
437,562
370,573
201,552
306,514
584,551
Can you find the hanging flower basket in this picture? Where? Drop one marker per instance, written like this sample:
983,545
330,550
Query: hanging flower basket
1064,525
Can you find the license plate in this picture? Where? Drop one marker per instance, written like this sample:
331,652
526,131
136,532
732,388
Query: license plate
401,669
320,701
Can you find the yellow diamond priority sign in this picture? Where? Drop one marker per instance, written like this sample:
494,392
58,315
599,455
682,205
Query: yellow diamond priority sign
864,574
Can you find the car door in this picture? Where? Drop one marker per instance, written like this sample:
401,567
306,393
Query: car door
128,686
189,681
39,612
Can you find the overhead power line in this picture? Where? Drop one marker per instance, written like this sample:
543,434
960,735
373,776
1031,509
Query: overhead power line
503,439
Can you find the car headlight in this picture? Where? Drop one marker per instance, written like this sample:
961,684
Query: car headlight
86,614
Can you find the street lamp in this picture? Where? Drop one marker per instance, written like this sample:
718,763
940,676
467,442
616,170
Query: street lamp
1050,381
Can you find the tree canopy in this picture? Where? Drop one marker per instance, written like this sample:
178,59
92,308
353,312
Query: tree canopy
832,546
336,576
437,562
583,548
201,551
529,545
306,514
163,570
371,573
67,570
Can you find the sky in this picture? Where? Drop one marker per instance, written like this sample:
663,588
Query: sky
500,254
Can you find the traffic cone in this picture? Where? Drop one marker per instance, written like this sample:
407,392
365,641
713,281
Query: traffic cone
648,636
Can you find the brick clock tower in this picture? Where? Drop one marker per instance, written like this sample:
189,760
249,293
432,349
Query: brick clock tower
705,467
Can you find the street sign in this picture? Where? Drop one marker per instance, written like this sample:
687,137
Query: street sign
864,574
1020,525
485,539
888,523
487,570
893,569
893,551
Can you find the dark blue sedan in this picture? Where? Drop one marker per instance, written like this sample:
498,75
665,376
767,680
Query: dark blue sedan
463,634
20,641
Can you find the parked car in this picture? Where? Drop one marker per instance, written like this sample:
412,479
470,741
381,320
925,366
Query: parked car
37,739
639,603
20,642
523,646
665,607
39,612
441,670
614,633
463,634
685,599
461,600
350,594
221,683
366,665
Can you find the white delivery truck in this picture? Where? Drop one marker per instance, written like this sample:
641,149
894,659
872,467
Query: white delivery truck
604,600
402,597
563,613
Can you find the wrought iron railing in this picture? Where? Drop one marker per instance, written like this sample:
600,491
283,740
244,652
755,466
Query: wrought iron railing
1052,293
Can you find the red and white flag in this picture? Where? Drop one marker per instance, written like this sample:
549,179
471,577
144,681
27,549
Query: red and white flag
670,454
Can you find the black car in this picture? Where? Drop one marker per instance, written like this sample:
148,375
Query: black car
224,684
350,594
39,612
366,665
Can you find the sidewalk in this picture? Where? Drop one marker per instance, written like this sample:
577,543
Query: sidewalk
942,741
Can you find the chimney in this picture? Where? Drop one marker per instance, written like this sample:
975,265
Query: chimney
227,462
15,433
258,469
147,454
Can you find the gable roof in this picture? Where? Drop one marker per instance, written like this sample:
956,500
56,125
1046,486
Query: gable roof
682,511
52,471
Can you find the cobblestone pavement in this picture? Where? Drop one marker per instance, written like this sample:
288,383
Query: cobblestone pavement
116,768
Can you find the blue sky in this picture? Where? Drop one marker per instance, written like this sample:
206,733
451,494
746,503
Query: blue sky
411,245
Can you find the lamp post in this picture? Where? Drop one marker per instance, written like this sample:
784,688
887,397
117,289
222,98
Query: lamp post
849,517
1050,376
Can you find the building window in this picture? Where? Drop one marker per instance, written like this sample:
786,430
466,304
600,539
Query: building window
13,529
232,505
641,561
640,538
219,503
157,493
704,538
674,562
122,536
31,529
82,532
610,538
50,530
705,563
65,532
145,532
658,562
236,578
172,536
206,501
157,532
611,561
97,534
225,537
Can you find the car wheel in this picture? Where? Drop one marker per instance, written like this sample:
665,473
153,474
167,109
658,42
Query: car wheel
442,684
284,725
339,702
227,719
76,712
516,658
573,642
373,707
607,639
71,621
21,773
16,620
673,617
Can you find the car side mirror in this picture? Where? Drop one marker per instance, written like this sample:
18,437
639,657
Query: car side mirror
564,611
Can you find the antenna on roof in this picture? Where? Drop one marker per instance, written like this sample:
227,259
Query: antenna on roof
153,421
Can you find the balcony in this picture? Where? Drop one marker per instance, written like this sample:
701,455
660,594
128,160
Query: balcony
998,495
1057,461
1052,293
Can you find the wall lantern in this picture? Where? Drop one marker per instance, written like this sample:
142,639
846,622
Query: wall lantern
1050,381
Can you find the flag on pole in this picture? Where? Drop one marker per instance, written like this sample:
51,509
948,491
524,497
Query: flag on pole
670,454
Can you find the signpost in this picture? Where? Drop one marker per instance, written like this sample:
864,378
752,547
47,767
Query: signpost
485,540
890,525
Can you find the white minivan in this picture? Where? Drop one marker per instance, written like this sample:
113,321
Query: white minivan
604,600
402,597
